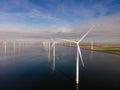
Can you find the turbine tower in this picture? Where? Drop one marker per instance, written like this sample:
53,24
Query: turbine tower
53,48
53,45
79,53
53,64
91,51
14,46
49,50
5,47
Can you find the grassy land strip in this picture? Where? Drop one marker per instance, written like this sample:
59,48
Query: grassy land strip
107,49
101,48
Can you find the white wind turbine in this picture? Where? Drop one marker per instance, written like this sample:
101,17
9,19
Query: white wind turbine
53,65
53,45
53,48
54,53
14,46
79,53
5,47
92,50
49,50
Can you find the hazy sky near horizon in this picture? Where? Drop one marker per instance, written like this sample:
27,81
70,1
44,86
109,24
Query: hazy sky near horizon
60,18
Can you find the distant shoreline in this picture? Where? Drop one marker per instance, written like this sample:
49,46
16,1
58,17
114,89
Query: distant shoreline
105,49
112,49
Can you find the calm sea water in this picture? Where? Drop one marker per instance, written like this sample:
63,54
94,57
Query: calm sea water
32,66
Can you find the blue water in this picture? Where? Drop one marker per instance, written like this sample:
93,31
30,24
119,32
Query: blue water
32,66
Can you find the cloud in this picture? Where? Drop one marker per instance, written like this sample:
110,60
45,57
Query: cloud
107,29
25,12
105,26
13,34
60,18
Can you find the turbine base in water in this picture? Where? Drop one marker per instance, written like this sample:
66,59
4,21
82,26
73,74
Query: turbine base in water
77,82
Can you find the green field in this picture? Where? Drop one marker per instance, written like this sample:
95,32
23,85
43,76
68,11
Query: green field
113,49
106,49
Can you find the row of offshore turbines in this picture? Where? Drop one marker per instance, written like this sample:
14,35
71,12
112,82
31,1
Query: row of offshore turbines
78,53
52,43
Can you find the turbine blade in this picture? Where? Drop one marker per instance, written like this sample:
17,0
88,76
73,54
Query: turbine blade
79,51
86,33
68,40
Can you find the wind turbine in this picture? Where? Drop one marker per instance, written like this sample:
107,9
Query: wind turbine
79,53
92,50
53,63
54,53
14,46
5,47
53,45
49,50
46,46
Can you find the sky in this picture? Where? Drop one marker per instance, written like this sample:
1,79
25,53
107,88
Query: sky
60,19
